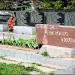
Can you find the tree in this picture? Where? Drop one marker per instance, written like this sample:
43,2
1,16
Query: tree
34,4
51,4
46,5
58,4
70,5
7,4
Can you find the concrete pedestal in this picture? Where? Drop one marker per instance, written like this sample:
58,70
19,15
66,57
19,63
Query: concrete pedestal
3,27
24,30
55,51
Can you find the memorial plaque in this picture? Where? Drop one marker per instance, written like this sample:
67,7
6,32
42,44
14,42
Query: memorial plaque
57,35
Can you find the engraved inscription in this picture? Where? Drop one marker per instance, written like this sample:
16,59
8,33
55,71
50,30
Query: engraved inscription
68,40
58,33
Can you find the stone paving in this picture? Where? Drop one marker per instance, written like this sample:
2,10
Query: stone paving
56,51
69,65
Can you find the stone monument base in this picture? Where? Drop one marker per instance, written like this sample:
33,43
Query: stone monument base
55,51
24,30
3,27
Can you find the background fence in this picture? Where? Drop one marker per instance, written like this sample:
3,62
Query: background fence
24,18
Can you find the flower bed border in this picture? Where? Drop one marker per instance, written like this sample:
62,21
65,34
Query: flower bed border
18,48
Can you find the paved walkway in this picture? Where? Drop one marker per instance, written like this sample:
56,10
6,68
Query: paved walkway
26,55
64,64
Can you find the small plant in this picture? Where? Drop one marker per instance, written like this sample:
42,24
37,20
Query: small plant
45,53
52,73
31,43
36,64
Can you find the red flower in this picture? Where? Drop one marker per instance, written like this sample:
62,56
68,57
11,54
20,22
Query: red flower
11,22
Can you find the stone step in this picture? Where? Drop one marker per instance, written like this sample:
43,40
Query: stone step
66,72
24,55
44,68
55,51
62,64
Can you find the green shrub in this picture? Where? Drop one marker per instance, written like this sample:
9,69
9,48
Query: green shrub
31,43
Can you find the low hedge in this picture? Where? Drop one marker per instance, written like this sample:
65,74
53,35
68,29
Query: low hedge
31,43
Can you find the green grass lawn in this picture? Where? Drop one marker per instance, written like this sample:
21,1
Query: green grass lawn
12,69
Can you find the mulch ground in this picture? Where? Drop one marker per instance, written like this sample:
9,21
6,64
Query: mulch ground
18,48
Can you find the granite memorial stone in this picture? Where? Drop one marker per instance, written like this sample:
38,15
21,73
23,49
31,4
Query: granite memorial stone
56,35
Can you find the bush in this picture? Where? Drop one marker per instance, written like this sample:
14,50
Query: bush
31,43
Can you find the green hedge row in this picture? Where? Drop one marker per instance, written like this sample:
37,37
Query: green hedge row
31,43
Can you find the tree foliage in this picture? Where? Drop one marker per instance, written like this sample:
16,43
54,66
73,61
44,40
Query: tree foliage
57,4
13,4
71,5
41,4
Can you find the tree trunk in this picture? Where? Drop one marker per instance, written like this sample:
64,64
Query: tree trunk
33,4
